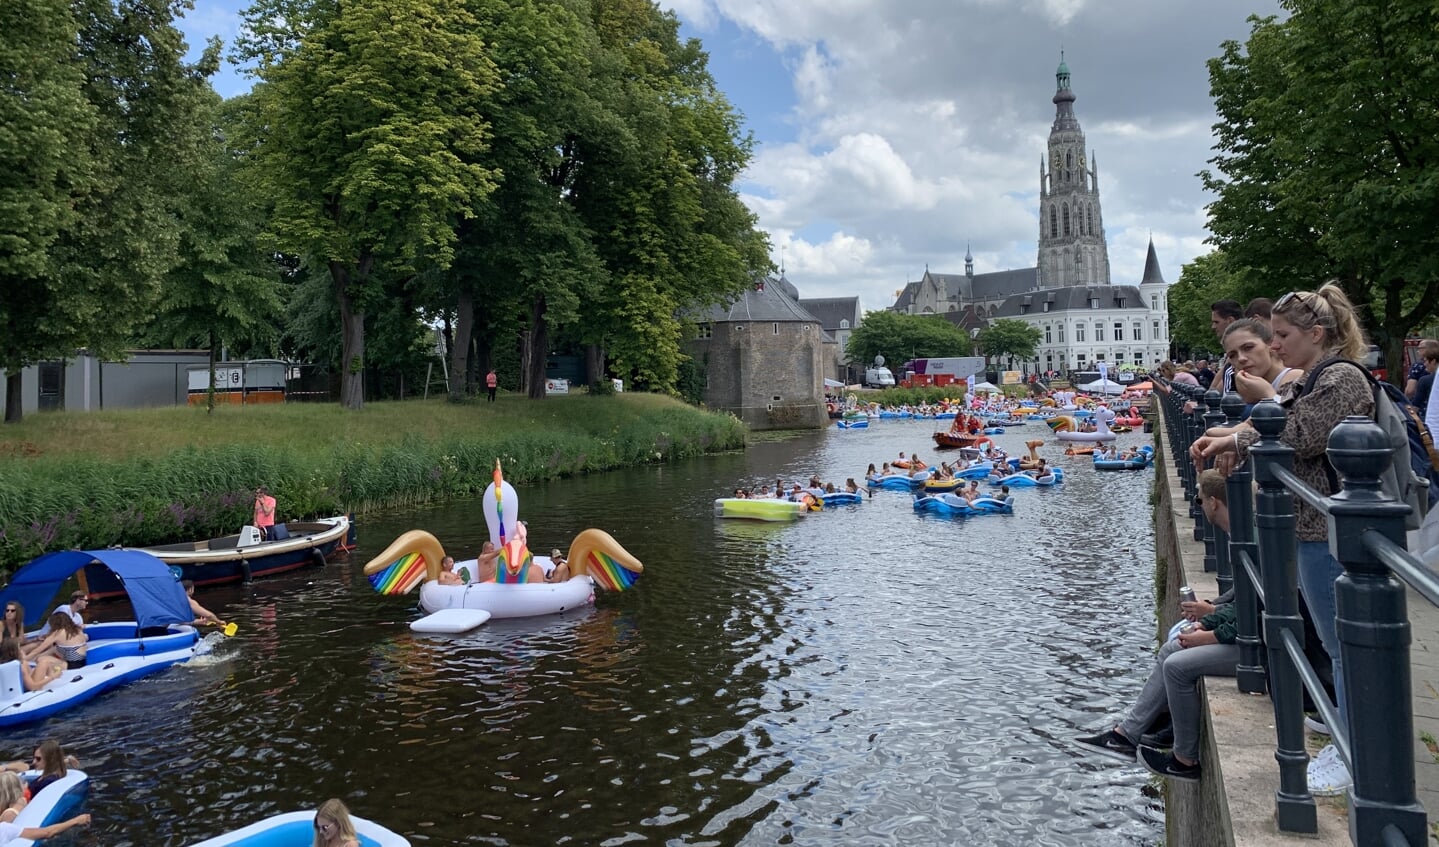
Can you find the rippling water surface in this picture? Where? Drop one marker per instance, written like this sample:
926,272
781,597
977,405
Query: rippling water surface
863,676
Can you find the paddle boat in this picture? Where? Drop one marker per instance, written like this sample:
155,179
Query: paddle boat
117,652
1024,480
843,498
56,802
862,423
1135,463
413,560
953,504
762,508
293,828
238,557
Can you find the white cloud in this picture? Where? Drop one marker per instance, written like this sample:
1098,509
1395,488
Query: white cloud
920,125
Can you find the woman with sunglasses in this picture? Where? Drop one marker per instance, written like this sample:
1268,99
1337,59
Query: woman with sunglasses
333,827
49,760
14,625
1309,327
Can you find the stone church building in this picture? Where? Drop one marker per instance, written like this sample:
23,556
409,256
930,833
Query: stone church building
1068,295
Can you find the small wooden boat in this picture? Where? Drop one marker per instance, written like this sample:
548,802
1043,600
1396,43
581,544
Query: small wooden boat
238,557
959,439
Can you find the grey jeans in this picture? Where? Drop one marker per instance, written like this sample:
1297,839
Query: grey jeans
1173,686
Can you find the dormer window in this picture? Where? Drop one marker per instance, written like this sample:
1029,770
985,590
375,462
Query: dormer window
1119,302
1094,302
1023,309
844,323
1046,305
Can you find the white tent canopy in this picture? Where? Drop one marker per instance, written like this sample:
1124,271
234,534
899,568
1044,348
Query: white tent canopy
832,383
985,386
1102,386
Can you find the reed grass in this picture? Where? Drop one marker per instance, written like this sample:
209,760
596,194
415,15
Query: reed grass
89,480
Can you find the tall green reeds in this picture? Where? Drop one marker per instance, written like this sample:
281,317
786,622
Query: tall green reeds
318,461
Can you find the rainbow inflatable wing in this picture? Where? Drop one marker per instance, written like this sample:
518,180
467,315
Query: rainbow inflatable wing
596,554
1061,423
409,560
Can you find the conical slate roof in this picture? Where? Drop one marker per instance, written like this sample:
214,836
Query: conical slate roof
1152,274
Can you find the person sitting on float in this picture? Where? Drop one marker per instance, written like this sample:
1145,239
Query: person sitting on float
46,670
870,472
1038,470
14,625
447,572
916,463
885,471
738,494
972,492
50,760
12,796
333,826
850,486
561,570
485,562
66,642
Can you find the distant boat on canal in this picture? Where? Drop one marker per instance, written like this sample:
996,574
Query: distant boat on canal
238,557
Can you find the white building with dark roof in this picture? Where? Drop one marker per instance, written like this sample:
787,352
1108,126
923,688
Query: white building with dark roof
1068,295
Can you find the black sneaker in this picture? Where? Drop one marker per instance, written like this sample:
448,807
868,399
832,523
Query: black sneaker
1110,743
1160,740
1164,764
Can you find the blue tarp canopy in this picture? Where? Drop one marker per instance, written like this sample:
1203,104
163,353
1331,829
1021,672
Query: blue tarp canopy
154,591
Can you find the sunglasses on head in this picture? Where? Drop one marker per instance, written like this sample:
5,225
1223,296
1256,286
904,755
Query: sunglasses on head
1296,297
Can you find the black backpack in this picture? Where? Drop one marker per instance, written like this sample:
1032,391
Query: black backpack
1413,476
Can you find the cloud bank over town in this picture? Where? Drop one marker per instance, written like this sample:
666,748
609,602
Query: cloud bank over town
892,134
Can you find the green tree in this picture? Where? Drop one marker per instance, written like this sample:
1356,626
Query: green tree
225,289
1009,337
1328,145
899,338
372,142
44,166
1202,282
100,107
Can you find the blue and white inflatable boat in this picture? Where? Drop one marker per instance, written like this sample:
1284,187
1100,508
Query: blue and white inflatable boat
294,828
56,802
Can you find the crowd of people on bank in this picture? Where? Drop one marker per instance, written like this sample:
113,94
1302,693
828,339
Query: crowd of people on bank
1305,350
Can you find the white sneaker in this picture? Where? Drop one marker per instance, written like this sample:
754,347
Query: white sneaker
1328,776
1316,725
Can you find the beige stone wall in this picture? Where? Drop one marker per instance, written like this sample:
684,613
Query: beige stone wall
771,376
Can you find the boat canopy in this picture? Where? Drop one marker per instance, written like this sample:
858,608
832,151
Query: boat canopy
153,590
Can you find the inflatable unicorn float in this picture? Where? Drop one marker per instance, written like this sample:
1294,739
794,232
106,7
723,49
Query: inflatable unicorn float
595,560
1065,430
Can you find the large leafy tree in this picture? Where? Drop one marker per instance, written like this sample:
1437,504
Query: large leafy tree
1327,157
900,337
226,289
1009,337
1202,282
100,137
372,142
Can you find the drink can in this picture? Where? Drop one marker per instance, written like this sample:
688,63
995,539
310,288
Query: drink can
1186,594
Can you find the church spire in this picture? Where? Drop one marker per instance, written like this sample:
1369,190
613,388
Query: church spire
1063,99
1152,274
968,261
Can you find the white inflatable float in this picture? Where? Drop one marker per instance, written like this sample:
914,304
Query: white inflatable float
595,560
1064,428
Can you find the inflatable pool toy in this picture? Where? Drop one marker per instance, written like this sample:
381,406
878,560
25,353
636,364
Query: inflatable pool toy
450,621
843,498
1064,428
413,560
939,486
298,828
117,652
761,508
979,471
953,504
1024,480
57,802
862,423
1080,449
1137,463
894,482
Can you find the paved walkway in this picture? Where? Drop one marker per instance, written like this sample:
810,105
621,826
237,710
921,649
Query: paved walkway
1424,658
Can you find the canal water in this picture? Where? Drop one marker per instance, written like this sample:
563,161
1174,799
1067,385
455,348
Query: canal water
865,675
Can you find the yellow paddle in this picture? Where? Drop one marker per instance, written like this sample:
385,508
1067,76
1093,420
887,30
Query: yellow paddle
230,629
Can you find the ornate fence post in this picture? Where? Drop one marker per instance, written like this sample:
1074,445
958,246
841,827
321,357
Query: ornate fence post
1203,530
1196,429
1240,500
1278,550
1374,634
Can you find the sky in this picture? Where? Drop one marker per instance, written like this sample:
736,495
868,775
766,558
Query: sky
892,135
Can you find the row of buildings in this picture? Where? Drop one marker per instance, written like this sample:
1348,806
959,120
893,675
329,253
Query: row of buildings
767,354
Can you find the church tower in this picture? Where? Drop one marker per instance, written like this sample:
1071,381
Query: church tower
1072,249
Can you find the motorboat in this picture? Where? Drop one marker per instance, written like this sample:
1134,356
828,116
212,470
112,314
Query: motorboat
239,557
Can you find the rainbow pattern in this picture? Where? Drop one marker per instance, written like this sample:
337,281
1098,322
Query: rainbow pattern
608,573
400,576
507,571
500,501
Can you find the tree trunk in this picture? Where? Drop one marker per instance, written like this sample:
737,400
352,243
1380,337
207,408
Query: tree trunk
352,342
594,364
479,363
539,349
460,349
14,411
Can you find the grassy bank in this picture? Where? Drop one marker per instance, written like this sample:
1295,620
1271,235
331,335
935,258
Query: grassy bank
76,479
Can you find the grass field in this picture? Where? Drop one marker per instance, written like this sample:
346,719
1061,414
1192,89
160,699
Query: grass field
93,479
